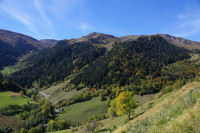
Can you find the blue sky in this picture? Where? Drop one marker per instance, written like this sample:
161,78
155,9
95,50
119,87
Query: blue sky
65,19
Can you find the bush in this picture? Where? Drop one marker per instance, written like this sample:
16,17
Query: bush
4,129
61,125
177,85
101,97
167,89
23,130
51,126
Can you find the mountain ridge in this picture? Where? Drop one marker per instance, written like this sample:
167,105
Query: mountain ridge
181,42
14,45
107,39
10,36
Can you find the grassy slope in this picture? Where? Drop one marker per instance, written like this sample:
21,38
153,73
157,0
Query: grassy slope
109,124
80,112
177,111
10,98
57,93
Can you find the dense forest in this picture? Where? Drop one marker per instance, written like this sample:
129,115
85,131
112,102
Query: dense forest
6,85
131,63
54,64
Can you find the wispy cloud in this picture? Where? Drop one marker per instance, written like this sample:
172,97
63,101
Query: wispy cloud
187,22
33,17
40,9
21,16
188,27
61,8
182,16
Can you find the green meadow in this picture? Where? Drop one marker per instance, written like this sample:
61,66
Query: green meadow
80,112
10,98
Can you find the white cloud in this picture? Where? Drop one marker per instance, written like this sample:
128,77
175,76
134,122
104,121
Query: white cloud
85,27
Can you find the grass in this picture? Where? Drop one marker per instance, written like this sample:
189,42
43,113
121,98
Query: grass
175,112
74,130
189,121
8,70
10,98
56,94
85,109
80,112
111,124
11,122
107,125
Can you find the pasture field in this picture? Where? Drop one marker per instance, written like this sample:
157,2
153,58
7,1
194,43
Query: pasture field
80,112
11,98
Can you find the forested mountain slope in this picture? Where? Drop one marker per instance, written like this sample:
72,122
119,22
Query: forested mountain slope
54,64
127,63
14,45
132,63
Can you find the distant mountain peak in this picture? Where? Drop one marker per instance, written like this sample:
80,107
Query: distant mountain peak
98,38
181,42
48,42
97,34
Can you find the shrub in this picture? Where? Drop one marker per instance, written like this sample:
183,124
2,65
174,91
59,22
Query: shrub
51,126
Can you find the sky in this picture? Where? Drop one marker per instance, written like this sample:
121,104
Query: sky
65,19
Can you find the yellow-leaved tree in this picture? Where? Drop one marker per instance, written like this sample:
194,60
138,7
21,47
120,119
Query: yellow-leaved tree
125,103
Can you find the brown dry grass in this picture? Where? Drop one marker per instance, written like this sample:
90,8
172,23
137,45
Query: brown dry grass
11,122
189,119
13,94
